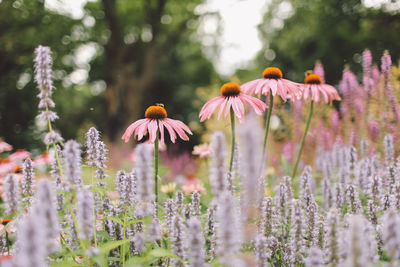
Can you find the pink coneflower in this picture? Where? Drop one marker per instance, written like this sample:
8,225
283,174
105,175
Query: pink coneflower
273,82
42,160
4,146
314,89
202,150
231,100
154,123
193,185
19,155
231,97
156,119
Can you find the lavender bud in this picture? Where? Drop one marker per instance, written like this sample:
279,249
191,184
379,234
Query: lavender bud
145,173
169,213
339,195
177,240
139,242
52,138
72,155
389,149
30,245
195,206
179,200
305,186
154,232
228,237
331,237
48,115
315,258
386,64
297,231
72,239
268,217
218,170
43,72
85,214
11,193
312,225
391,233
195,243
353,199
262,251
92,137
27,170
327,193
45,208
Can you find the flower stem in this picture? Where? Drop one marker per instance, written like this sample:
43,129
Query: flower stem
233,138
267,122
303,138
156,170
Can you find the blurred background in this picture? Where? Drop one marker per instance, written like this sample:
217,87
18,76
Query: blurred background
113,58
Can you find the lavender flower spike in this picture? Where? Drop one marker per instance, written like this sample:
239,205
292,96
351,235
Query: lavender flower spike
92,136
11,193
195,243
218,170
27,170
85,214
72,156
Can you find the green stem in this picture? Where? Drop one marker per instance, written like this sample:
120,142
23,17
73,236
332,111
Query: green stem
94,213
233,138
303,138
123,245
55,148
267,122
156,169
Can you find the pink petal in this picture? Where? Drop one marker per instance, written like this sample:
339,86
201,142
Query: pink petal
210,107
128,132
249,87
142,129
153,126
171,131
177,128
221,108
255,103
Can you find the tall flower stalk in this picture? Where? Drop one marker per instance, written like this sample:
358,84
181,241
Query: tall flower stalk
43,78
316,90
270,85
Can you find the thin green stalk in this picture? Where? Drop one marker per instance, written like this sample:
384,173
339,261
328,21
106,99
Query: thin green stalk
123,245
233,138
267,122
55,148
303,138
94,213
156,169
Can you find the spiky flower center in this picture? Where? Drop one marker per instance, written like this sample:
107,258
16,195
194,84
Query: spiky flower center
313,79
156,112
272,73
5,222
230,89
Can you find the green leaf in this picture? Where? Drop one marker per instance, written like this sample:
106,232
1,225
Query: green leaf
160,253
135,261
65,263
111,245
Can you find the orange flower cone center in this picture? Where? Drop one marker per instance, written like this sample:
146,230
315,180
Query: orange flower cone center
313,79
230,89
272,73
155,112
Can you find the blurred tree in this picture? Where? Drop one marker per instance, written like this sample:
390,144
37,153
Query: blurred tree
297,33
109,65
148,51
23,26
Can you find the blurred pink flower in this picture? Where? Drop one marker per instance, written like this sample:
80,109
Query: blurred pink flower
373,130
272,81
193,185
287,151
202,150
42,160
7,166
4,146
112,195
181,164
231,97
156,119
319,70
19,155
314,88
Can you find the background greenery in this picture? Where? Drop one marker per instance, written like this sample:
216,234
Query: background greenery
149,51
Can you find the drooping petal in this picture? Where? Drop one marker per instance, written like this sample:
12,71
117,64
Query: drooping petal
170,130
177,129
210,107
249,87
258,105
238,108
142,129
221,108
228,106
153,127
129,131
